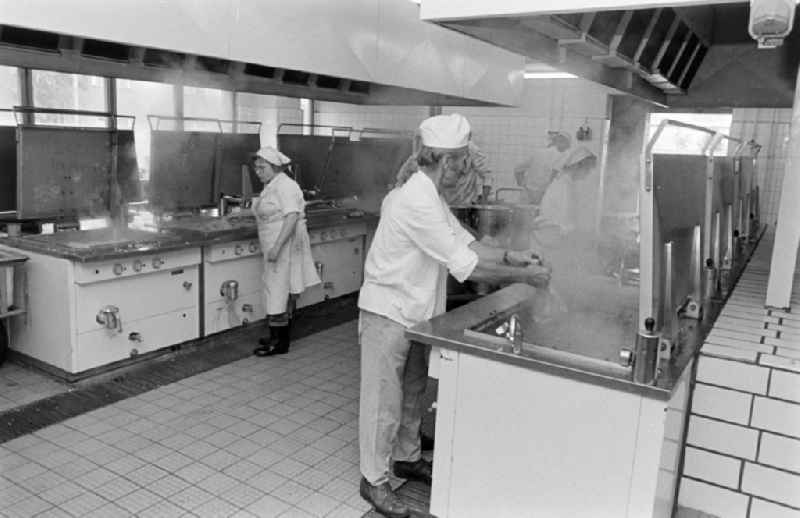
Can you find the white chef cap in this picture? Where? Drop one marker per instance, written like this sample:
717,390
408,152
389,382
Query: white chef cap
445,131
273,156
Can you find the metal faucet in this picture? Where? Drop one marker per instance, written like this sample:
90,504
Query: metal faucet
515,333
225,200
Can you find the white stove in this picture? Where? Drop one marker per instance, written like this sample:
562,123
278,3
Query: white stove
84,315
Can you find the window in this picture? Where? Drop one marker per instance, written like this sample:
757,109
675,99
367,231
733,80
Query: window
207,103
140,99
684,141
9,94
69,91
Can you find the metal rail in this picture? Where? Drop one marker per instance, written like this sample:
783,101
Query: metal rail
65,111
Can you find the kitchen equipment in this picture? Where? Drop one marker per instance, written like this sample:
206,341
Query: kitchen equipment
81,298
13,294
67,172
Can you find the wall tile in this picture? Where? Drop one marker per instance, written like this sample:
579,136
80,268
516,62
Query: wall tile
711,499
771,484
788,353
777,416
711,467
741,376
723,437
763,509
781,362
729,352
720,403
749,345
785,385
780,452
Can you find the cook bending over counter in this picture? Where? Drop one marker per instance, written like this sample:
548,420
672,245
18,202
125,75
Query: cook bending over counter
418,240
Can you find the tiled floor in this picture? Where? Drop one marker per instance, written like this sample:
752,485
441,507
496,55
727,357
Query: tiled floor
20,386
254,438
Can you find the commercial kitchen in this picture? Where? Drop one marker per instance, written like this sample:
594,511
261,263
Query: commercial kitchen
657,374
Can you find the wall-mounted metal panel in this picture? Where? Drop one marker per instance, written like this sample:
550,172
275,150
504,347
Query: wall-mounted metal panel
62,172
8,168
339,167
236,150
182,169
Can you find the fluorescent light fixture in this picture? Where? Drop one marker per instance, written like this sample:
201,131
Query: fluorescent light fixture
540,70
549,75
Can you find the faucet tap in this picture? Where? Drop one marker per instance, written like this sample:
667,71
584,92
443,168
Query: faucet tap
225,200
515,333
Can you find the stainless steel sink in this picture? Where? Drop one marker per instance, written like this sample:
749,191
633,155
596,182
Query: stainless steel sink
590,330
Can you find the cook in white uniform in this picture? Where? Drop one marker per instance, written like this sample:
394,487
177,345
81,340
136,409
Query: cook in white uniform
418,240
535,174
288,265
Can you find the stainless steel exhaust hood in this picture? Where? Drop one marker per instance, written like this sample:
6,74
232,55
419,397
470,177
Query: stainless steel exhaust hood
354,51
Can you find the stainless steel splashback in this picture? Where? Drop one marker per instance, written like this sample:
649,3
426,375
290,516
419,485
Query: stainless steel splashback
690,208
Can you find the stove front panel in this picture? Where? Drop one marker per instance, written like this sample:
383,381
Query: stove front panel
138,297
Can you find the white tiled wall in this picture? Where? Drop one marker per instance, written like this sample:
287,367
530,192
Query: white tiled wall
510,136
742,455
770,128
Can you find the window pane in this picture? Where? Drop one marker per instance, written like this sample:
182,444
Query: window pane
140,99
209,103
684,141
69,91
9,94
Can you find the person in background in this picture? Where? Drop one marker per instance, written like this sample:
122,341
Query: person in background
535,174
288,265
558,206
462,188
418,240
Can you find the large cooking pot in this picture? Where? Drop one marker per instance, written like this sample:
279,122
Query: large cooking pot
486,220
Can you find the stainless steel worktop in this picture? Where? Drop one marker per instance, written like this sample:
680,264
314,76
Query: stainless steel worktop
459,330
108,243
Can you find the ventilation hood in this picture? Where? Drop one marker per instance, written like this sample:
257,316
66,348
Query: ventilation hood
677,53
354,51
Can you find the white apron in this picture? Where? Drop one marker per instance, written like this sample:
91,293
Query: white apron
294,270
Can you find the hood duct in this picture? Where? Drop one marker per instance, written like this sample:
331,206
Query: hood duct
22,47
655,45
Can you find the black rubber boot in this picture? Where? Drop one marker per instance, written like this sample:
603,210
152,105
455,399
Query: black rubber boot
284,338
270,345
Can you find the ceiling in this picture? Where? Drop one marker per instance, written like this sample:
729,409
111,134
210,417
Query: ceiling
700,56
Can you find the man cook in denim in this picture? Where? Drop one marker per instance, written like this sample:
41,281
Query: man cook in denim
418,240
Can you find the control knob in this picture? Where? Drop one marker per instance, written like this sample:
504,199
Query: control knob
157,262
138,265
118,269
253,247
238,249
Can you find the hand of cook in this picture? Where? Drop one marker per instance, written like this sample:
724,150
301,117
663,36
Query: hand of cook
537,276
272,254
522,258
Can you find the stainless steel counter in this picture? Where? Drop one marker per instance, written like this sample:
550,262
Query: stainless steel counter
461,330
107,243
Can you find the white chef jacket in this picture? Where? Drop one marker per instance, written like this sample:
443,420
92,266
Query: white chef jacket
417,241
557,204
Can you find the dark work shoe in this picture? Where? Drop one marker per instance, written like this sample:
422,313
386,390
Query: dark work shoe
268,347
383,499
426,442
421,470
